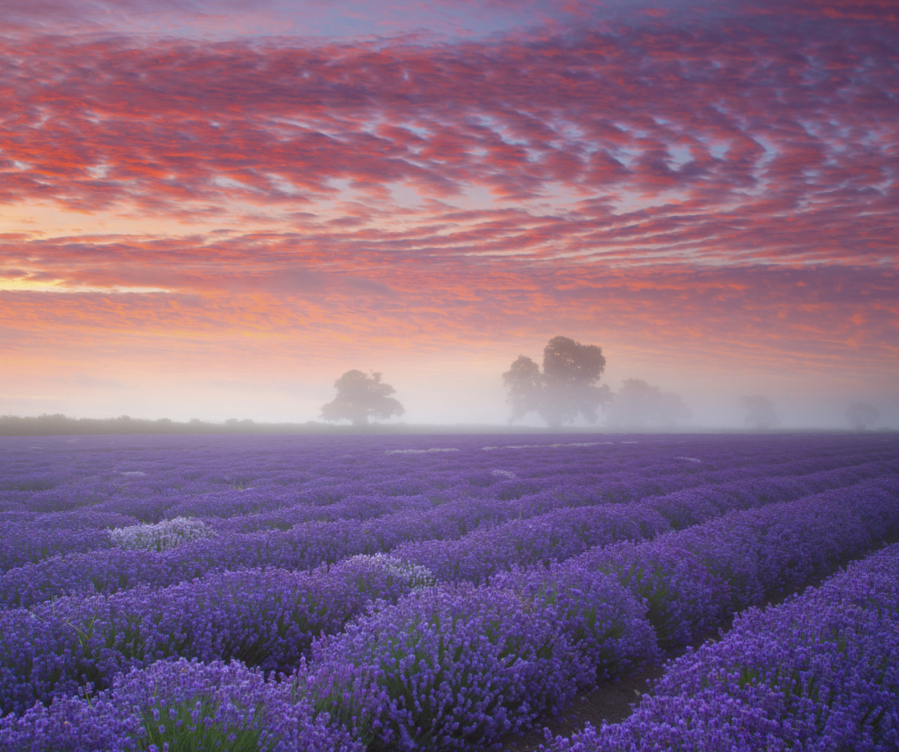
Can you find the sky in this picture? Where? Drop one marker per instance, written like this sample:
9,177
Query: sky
213,208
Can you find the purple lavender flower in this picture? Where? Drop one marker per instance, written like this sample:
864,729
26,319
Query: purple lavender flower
817,672
180,705
450,667
604,623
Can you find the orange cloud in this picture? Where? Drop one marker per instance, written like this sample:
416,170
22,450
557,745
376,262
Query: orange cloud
721,186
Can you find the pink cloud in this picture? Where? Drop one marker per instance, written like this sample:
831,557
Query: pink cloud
97,123
727,186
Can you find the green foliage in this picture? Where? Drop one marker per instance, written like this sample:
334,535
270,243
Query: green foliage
194,727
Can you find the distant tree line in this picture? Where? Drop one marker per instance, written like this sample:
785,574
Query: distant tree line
61,425
861,415
640,405
566,388
759,413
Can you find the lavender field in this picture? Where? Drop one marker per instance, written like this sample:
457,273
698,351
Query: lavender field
446,591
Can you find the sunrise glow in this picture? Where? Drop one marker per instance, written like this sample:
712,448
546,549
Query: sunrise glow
213,209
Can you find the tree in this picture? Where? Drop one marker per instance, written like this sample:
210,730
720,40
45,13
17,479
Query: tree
360,397
525,384
760,412
861,414
564,389
639,404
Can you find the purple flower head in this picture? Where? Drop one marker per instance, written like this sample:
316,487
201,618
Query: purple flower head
447,667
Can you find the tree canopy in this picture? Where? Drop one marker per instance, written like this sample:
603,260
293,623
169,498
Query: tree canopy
862,414
759,412
361,396
564,389
638,404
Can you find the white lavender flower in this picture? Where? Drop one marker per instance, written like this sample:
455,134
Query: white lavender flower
162,535
416,576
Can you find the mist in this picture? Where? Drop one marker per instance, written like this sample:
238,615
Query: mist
432,393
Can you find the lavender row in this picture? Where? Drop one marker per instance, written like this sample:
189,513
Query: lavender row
425,488
457,666
302,548
137,492
281,495
817,672
694,579
507,495
81,530
572,473
152,474
179,705
314,470
564,533
574,487
75,639
23,541
32,542
460,665
264,619
57,647
279,506
46,536
311,544
495,649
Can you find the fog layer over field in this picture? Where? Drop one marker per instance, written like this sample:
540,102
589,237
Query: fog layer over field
475,397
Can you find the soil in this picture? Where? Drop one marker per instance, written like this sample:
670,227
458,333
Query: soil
613,701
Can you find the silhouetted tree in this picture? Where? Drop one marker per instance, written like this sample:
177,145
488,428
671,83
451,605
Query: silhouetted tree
861,414
525,384
638,404
360,397
566,387
760,412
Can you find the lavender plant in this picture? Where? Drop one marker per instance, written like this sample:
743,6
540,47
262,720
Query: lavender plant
553,536
179,706
692,579
816,673
379,575
161,536
315,534
454,494
680,595
603,622
449,667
